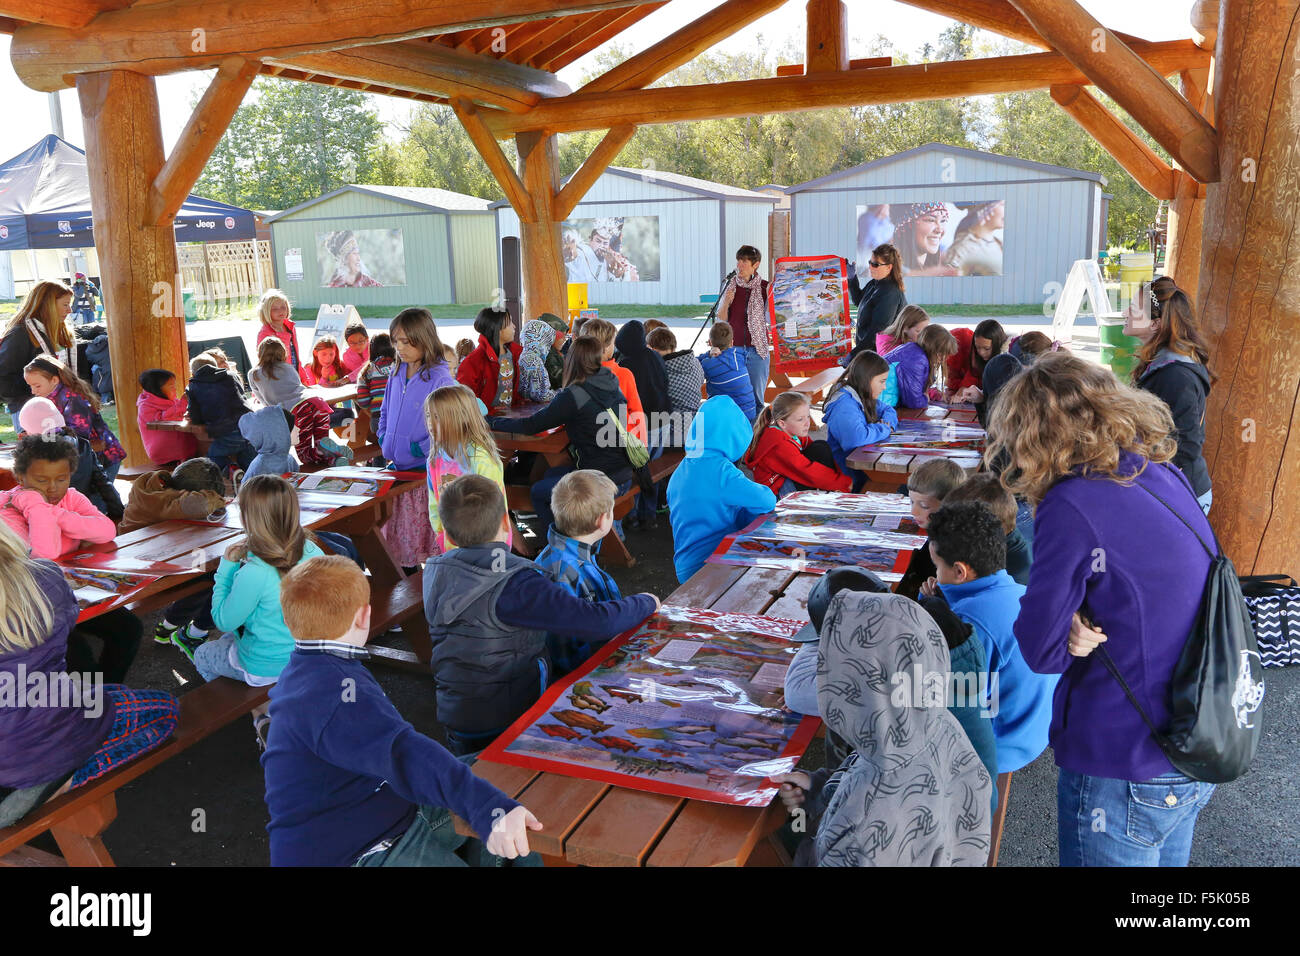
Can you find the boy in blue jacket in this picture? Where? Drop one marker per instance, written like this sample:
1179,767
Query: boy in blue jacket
708,496
583,505
987,488
725,372
969,550
489,612
348,781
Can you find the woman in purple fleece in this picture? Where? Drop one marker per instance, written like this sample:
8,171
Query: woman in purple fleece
1092,455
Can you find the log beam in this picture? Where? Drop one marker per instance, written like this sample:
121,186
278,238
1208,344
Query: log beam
69,14
124,154
175,35
495,158
587,174
1187,211
826,40
682,46
1204,17
784,94
1130,81
1151,172
543,257
864,63
437,70
206,126
997,16
1249,293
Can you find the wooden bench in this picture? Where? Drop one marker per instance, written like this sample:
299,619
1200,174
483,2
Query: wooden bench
78,819
615,550
401,605
814,387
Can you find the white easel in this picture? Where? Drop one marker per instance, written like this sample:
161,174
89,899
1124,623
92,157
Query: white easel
1084,277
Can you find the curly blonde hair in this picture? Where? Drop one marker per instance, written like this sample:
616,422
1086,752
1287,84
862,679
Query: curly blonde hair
1063,414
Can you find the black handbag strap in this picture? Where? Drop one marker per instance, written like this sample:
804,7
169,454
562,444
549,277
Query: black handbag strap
1278,581
1128,692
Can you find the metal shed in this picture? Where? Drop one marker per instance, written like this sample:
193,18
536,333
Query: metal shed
681,234
1052,216
415,246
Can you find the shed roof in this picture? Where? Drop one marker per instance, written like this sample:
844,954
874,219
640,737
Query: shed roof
691,184
957,150
426,197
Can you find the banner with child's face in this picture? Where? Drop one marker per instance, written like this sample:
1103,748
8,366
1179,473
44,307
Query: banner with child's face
611,249
361,258
938,238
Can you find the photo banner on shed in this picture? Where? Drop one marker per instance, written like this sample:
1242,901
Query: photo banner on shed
939,238
808,306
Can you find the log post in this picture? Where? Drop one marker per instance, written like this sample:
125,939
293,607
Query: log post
124,153
1249,291
827,38
1186,212
543,258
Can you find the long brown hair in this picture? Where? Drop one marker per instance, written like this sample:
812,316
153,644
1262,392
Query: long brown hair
325,341
1179,331
865,366
586,353
268,507
908,318
270,353
937,343
992,330
42,305
781,408
421,331
57,369
1063,413
454,422
888,253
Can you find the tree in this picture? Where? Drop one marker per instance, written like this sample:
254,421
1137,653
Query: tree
435,151
291,142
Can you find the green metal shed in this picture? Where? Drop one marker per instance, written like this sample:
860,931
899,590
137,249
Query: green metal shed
387,246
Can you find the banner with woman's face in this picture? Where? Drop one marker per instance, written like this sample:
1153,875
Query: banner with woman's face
936,238
358,258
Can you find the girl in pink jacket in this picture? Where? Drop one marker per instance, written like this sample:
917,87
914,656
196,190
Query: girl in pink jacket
159,402
52,517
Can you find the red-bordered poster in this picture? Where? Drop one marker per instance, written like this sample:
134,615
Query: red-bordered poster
808,306
690,704
808,549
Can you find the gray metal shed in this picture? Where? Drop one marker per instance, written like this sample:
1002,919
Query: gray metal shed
1052,216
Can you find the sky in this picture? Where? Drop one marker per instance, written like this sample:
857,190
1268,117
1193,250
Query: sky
27,111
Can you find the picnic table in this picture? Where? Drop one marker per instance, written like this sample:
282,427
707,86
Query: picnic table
887,469
588,823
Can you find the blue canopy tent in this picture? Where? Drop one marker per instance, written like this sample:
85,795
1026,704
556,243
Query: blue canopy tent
45,204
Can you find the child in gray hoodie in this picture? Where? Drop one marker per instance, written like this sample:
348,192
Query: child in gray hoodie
270,431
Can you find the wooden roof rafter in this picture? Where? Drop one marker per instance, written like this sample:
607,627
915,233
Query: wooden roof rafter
615,22
577,29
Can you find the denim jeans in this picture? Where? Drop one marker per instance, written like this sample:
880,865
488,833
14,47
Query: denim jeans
111,469
1205,499
232,448
757,366
431,840
1106,822
1025,520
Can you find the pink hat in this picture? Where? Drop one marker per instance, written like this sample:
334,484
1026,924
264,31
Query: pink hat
40,415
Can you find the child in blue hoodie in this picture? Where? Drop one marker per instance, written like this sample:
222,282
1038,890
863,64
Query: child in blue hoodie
969,550
708,496
583,506
725,372
856,415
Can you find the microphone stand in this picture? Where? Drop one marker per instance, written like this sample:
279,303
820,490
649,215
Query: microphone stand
713,312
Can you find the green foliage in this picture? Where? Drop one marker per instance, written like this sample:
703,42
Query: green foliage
292,142
435,151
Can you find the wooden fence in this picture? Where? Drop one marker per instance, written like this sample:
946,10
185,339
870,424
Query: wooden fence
225,273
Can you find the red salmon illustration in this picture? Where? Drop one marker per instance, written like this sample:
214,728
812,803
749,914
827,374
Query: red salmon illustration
616,742
555,730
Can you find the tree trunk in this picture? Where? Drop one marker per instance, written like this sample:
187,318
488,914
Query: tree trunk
1249,292
124,152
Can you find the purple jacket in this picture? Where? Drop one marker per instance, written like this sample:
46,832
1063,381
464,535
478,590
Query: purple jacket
1093,549
913,374
38,744
401,417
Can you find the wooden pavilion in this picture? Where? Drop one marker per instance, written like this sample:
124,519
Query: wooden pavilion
1230,120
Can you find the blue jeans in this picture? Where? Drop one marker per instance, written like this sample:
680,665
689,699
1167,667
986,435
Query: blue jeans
110,469
1205,499
757,366
232,448
1106,822
1025,520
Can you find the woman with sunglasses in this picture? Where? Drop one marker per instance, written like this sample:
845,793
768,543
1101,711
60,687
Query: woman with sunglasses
880,300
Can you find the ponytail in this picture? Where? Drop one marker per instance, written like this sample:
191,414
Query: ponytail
781,408
761,424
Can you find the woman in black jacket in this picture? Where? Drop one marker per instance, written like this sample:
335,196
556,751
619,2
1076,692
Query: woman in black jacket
1172,366
40,327
582,408
881,299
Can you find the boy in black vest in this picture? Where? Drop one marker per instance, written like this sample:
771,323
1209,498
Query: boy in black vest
489,611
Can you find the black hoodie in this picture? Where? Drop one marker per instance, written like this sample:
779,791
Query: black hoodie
582,413
1183,384
646,366
216,401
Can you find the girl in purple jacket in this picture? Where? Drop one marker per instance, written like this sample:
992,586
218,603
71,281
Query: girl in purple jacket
74,732
404,433
919,363
1093,456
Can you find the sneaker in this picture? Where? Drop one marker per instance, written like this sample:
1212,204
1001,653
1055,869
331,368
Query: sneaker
262,727
186,645
164,632
236,478
334,448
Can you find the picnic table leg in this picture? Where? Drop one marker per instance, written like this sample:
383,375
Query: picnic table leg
614,551
999,817
79,835
780,383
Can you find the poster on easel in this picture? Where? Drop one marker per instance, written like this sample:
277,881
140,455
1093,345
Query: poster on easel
333,320
808,308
